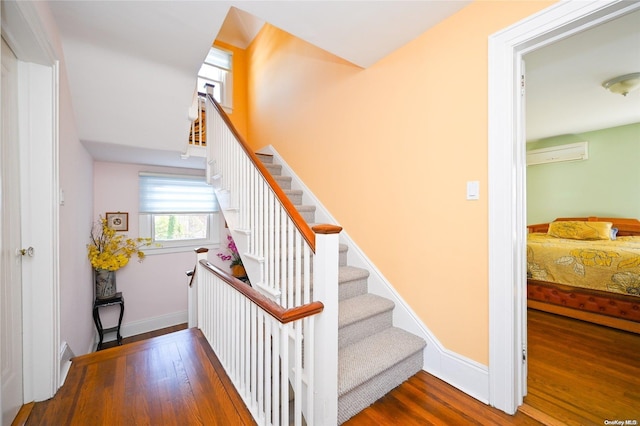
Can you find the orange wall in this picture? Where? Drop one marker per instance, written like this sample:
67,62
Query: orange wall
389,149
239,115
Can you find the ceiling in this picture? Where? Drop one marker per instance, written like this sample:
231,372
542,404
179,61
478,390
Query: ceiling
132,64
564,92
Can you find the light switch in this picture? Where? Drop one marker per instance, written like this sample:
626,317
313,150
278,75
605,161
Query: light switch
473,190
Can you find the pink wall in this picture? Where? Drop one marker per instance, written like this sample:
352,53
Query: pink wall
75,167
397,141
157,287
76,291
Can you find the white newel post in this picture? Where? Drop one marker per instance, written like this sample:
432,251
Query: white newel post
325,289
201,253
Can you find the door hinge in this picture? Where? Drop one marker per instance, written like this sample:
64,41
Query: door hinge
524,354
522,85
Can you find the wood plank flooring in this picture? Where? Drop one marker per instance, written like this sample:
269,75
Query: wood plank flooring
582,373
169,380
427,400
145,336
579,374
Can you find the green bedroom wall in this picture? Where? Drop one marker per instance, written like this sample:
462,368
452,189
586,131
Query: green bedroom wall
607,184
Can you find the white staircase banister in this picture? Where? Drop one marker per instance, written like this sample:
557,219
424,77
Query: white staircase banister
295,216
290,267
286,319
240,334
192,295
325,266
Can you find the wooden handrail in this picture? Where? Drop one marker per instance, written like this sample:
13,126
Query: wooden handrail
292,212
192,273
325,229
276,311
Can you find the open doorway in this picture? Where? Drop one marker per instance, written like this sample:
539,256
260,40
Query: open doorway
566,104
507,184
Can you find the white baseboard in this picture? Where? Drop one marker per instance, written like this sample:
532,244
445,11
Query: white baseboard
465,374
65,361
460,372
146,325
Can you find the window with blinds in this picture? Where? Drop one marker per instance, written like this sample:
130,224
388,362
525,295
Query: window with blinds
177,211
217,70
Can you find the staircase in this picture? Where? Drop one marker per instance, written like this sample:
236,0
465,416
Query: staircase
373,356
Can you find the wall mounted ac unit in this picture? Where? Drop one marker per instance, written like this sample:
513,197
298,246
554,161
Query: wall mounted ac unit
554,154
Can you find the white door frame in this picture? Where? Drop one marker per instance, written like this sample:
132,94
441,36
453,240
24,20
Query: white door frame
507,183
24,30
11,380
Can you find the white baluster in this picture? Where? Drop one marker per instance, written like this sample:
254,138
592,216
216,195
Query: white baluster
260,355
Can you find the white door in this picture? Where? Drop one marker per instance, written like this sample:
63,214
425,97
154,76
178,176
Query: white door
11,395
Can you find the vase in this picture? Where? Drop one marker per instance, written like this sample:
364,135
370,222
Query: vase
238,271
105,283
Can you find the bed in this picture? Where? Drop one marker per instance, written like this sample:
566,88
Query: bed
576,269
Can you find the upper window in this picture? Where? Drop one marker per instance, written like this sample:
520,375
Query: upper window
216,70
177,212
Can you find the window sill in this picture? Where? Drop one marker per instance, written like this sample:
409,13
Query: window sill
152,251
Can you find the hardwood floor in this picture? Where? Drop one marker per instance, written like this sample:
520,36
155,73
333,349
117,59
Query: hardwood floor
427,400
579,374
168,380
145,336
582,373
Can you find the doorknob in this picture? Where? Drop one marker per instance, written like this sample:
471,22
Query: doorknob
26,252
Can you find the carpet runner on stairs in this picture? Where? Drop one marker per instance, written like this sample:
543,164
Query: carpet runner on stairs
373,356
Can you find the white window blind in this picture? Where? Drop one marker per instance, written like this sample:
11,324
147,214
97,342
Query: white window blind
219,58
217,70
161,193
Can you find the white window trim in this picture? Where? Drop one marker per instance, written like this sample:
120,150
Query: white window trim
227,93
146,231
145,224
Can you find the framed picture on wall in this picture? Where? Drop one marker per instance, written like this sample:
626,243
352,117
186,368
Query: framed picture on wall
118,221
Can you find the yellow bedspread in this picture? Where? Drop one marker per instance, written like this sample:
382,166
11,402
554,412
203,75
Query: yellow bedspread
608,265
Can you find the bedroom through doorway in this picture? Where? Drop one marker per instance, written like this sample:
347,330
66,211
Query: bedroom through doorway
565,103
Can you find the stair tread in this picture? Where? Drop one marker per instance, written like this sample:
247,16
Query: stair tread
372,354
362,307
359,362
265,158
351,273
283,181
292,191
274,170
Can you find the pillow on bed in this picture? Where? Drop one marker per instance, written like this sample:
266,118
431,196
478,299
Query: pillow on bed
578,230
